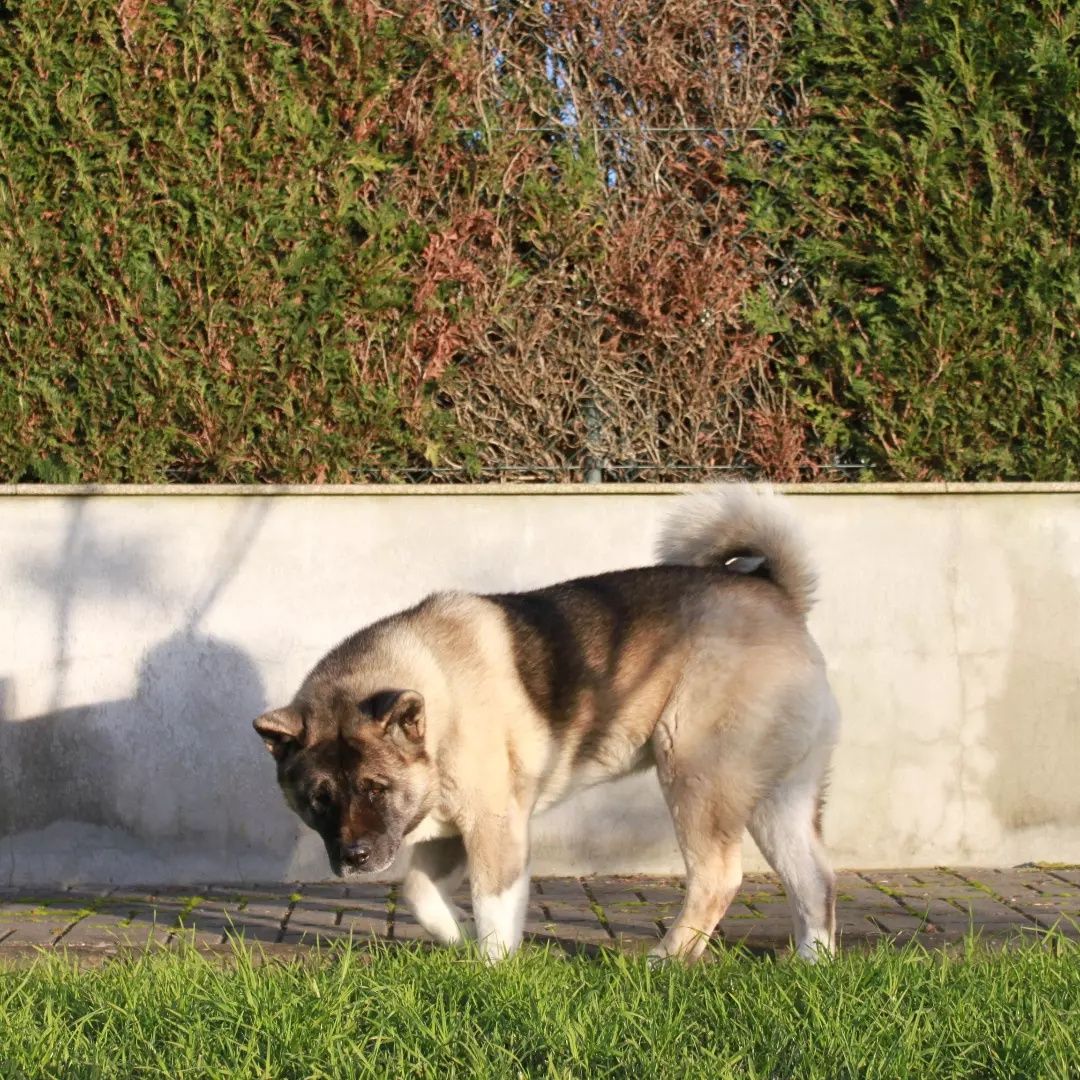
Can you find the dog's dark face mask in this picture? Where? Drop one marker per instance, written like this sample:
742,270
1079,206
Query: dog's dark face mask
355,772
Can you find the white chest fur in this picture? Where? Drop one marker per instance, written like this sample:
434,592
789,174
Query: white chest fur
431,828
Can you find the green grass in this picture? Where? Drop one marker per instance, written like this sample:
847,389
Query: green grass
404,1012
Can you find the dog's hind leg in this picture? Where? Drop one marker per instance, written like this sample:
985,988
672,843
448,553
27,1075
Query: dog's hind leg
713,877
785,826
436,869
709,810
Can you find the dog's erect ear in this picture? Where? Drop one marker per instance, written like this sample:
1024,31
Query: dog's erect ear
400,714
281,730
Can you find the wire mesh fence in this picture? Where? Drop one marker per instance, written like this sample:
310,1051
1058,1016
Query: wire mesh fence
586,316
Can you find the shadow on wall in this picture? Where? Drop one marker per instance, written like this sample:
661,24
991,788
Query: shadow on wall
173,775
1034,723
170,784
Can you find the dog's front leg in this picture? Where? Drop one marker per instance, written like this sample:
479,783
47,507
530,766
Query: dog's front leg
498,849
436,869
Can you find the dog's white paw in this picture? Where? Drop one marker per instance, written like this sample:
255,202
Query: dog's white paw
662,953
814,952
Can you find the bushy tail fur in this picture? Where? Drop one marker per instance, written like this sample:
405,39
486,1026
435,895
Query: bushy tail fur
728,520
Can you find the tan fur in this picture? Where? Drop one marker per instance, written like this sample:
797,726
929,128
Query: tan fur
722,689
727,519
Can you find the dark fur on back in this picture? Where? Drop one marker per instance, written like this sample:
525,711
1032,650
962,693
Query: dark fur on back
571,640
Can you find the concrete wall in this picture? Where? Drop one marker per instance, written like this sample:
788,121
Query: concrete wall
142,631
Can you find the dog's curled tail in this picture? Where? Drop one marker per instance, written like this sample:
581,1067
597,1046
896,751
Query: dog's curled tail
748,529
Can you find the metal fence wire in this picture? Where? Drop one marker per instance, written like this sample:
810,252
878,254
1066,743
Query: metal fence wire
589,303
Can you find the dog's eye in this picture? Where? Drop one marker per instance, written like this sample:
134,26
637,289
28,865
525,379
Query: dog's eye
322,802
375,789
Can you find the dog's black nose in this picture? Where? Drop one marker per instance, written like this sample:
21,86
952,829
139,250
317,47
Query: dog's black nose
357,854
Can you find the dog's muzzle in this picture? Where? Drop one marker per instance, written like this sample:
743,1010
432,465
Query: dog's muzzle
360,857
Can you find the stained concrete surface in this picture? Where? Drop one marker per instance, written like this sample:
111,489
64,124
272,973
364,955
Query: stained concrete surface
139,636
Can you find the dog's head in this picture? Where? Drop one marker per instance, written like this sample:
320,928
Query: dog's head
355,771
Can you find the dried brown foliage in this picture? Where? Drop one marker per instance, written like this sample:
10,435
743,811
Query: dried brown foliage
580,295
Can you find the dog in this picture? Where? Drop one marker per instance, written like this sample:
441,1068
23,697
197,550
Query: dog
447,726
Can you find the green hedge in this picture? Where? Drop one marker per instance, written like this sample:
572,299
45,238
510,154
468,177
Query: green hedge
195,276
255,241
925,207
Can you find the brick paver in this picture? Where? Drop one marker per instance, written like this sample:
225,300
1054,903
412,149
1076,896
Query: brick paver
936,906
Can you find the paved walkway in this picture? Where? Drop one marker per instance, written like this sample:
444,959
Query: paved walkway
936,906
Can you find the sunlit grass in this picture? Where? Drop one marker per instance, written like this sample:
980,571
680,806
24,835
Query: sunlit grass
389,1012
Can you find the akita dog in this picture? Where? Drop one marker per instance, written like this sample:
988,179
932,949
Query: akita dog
447,726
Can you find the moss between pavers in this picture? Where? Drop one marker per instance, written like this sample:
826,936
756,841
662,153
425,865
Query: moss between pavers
636,905
43,914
